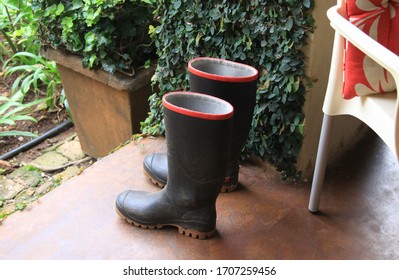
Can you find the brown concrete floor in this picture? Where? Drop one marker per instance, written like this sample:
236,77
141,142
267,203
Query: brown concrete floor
266,219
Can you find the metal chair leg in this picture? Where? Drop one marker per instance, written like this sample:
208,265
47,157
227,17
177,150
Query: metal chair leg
321,162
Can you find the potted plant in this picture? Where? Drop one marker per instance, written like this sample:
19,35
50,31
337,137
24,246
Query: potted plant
103,54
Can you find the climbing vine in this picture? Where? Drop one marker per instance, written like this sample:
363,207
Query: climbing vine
267,34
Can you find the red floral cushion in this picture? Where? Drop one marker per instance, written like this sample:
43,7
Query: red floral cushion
380,20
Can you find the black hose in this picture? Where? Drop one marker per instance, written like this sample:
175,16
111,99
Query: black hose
32,143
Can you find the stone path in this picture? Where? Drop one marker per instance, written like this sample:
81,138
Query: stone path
32,180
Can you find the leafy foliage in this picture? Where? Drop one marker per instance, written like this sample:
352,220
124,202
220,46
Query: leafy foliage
35,73
11,110
18,28
267,34
108,34
19,47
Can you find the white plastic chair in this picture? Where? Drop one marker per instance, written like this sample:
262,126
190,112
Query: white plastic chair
379,111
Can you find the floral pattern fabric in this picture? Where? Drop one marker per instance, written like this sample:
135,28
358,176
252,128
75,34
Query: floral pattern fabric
380,20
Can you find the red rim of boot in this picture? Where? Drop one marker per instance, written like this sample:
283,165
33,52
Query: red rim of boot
198,114
234,79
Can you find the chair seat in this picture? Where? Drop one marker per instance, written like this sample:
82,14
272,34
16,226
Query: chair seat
376,111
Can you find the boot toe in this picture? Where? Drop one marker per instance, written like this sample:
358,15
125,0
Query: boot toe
140,207
129,205
120,201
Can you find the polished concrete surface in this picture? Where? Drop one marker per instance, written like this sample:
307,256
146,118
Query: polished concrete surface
267,218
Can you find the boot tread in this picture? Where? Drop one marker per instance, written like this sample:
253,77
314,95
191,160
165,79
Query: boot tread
229,188
196,234
153,180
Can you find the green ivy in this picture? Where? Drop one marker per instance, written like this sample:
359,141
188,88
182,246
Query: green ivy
268,35
108,34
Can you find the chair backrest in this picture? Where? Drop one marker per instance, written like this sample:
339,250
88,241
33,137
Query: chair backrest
378,111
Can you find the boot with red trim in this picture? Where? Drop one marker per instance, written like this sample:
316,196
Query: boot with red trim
234,82
198,132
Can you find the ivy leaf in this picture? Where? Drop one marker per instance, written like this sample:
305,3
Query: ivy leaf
90,40
67,23
289,24
147,64
284,67
60,9
177,4
307,3
92,60
76,4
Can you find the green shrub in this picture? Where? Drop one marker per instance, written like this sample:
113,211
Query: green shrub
11,110
20,48
18,28
108,34
34,74
268,35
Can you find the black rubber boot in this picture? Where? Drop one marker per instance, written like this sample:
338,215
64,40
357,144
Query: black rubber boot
155,167
233,82
198,128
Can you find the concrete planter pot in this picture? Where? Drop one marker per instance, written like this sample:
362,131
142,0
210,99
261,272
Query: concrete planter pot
107,109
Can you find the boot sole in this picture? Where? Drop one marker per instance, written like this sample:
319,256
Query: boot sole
186,232
225,188
153,180
229,188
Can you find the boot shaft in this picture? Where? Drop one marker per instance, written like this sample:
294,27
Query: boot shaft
198,128
234,82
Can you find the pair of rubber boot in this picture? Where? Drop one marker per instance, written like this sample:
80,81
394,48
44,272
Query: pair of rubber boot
206,130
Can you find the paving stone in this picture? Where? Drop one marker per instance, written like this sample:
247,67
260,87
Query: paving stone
50,161
26,176
56,145
28,183
71,150
30,192
68,173
23,198
9,188
44,188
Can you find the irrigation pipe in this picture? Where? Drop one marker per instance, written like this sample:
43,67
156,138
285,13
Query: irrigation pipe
36,141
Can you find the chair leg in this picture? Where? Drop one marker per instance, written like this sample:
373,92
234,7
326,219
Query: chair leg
321,162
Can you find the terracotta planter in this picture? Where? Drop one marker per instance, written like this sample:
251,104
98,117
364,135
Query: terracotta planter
107,109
